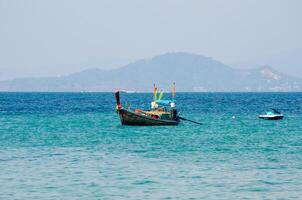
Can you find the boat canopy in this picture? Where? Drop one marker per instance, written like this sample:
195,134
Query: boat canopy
164,102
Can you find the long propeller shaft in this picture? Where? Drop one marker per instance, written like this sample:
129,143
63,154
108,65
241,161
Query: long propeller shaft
190,121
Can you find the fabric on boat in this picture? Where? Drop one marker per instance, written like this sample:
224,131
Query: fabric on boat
166,102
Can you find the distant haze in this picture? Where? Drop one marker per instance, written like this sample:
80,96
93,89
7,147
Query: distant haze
201,74
51,38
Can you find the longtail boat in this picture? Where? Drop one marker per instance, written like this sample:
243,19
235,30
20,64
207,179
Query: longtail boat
154,116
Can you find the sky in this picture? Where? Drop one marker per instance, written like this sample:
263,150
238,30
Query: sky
51,38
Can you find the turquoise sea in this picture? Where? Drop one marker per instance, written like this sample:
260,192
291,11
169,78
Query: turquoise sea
72,146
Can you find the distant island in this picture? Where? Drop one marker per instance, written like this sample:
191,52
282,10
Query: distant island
191,72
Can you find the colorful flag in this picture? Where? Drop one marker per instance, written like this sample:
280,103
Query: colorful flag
161,95
155,92
173,90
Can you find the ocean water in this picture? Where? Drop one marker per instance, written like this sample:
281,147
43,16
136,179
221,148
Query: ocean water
72,146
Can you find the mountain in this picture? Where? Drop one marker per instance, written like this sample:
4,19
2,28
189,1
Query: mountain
191,73
266,78
287,61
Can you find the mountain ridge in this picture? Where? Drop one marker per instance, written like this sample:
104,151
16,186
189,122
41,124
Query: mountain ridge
191,72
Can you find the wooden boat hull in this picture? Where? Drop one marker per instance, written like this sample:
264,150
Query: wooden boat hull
131,118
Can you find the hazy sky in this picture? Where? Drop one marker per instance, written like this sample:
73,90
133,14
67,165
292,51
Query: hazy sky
42,38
